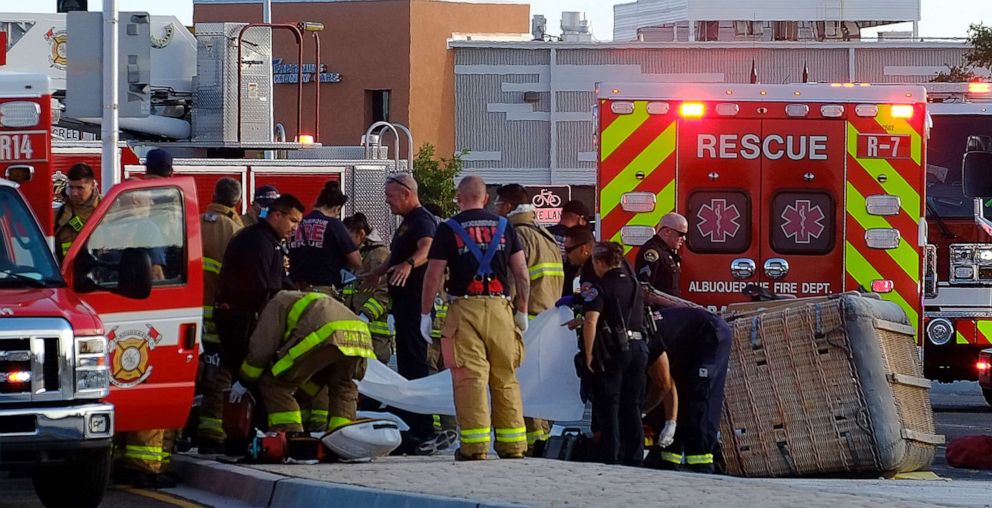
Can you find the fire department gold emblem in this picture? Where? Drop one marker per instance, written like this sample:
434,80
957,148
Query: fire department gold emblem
651,255
131,352
57,42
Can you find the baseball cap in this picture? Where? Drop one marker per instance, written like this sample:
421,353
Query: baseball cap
158,162
578,208
265,195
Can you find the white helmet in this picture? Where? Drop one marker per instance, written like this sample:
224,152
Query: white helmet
363,440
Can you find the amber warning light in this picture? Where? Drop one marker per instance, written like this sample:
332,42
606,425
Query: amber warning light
692,109
902,111
979,87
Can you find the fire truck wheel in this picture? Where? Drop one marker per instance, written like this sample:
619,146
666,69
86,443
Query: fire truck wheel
987,392
80,483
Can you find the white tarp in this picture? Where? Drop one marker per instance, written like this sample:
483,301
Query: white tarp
548,383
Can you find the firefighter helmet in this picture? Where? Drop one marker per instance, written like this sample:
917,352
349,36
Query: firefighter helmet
363,439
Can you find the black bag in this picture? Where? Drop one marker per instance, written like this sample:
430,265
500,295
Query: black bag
570,445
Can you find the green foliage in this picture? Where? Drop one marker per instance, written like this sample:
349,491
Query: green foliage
436,177
955,74
980,53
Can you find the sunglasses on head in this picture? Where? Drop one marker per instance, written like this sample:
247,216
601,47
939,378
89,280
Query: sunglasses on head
568,250
396,179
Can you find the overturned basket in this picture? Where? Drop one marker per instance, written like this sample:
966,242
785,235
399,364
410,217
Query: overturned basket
826,386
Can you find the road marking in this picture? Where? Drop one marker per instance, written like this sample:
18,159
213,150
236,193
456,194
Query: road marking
159,496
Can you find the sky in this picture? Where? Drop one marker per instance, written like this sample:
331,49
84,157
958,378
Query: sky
940,18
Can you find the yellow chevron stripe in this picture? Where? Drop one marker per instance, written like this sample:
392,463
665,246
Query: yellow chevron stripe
985,329
895,183
622,127
664,203
659,150
959,338
905,255
863,272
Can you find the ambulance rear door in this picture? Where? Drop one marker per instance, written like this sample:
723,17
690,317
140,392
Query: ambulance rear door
153,337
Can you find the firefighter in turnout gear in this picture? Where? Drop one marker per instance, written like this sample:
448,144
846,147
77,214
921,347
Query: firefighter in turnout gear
482,341
371,305
217,226
82,198
300,338
658,259
544,264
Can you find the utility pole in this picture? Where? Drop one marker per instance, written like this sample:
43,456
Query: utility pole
110,159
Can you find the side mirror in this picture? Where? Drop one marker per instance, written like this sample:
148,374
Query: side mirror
976,174
134,278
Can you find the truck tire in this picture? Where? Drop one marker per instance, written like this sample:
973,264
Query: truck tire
80,483
987,392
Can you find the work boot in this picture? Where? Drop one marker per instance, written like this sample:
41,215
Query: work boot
442,441
475,456
145,480
512,455
210,448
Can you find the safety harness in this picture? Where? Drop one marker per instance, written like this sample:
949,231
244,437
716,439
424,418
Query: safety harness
484,283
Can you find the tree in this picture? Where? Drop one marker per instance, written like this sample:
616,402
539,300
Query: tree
436,177
980,53
955,74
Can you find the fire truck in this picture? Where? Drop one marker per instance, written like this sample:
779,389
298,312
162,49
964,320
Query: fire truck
958,281
805,190
66,335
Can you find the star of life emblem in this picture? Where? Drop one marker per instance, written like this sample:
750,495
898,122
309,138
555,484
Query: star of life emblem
718,221
803,221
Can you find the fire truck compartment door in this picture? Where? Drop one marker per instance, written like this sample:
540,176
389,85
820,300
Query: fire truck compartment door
153,342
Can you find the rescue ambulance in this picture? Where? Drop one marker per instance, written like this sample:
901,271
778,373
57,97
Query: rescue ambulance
804,190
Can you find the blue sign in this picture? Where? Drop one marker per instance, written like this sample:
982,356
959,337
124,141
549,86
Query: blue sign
287,73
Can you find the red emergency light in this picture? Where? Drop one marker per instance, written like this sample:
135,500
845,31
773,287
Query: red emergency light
882,286
902,111
983,366
20,376
979,87
692,109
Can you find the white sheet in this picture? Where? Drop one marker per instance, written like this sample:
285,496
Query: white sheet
548,384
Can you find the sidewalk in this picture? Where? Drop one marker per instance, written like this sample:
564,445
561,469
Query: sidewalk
439,482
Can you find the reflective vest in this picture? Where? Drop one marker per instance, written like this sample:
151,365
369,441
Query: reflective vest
69,221
217,226
375,304
547,275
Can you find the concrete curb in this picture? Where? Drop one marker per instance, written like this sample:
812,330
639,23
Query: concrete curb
259,488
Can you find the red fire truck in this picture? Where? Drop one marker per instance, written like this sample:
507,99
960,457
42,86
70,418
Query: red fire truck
805,189
66,337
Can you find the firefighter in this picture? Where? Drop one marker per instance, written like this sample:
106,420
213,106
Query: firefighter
217,226
371,306
264,196
482,340
658,259
321,247
698,346
544,264
615,355
300,338
82,198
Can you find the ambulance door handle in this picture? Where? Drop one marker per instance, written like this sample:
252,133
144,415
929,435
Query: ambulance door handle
742,268
776,268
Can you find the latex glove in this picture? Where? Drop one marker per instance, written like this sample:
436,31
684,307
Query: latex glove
237,392
363,317
426,323
520,319
565,301
667,436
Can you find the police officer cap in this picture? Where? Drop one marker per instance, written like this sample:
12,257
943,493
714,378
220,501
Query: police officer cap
674,221
578,208
265,195
158,162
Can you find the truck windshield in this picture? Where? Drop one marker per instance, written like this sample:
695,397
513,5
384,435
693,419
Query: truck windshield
25,258
948,139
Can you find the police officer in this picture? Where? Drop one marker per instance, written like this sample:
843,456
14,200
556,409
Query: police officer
218,224
264,196
573,214
405,275
251,273
482,340
658,261
304,337
698,346
322,246
615,355
82,198
544,263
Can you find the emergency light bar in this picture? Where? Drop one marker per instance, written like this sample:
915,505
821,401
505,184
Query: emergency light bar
692,109
979,87
902,111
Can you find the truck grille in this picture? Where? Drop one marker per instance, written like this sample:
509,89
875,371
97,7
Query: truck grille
34,355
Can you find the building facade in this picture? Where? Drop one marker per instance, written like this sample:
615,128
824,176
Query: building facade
391,57
524,111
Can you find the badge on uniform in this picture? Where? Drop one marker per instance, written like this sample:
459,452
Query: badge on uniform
651,255
704,372
589,294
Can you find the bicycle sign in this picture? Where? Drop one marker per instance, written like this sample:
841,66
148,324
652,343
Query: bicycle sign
548,200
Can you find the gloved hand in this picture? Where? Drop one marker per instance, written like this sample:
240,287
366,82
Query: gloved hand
426,323
667,436
237,392
363,317
565,301
520,319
